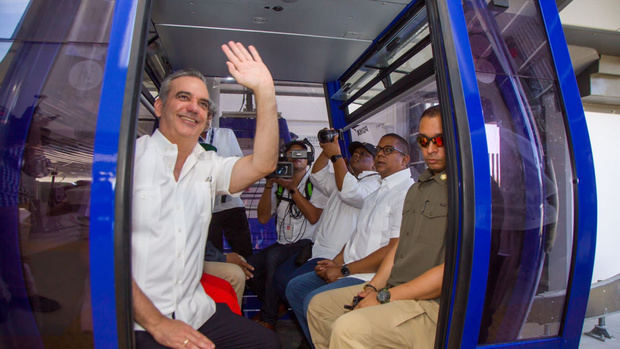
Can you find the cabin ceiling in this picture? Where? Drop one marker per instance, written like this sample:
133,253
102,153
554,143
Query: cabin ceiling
321,38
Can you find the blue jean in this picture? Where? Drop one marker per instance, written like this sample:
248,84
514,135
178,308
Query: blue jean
302,288
289,270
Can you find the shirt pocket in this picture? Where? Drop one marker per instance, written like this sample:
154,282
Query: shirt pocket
146,208
433,221
205,199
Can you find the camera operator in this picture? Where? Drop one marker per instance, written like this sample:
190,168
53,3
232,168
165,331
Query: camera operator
297,208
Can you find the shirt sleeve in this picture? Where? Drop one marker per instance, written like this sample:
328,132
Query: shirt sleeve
324,180
318,199
212,254
396,216
223,167
354,192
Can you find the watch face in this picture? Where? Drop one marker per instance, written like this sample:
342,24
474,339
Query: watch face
383,296
345,270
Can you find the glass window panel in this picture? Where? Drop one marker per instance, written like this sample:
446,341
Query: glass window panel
49,100
532,196
400,116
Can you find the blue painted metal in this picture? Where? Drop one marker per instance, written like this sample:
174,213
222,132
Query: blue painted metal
104,177
481,172
585,231
337,116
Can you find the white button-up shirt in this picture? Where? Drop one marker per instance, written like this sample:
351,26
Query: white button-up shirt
225,141
379,219
169,224
291,224
339,217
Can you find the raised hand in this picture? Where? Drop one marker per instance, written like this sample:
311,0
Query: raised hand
246,66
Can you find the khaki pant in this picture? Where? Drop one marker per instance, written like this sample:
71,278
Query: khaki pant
229,272
398,324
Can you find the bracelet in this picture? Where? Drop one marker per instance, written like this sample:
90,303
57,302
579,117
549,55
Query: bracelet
371,286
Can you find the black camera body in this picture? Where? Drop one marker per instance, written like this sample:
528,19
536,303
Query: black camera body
327,136
284,169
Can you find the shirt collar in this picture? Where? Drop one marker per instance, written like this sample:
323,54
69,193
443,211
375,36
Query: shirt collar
170,149
395,178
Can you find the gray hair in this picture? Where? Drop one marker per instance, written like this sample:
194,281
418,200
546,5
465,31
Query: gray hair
165,85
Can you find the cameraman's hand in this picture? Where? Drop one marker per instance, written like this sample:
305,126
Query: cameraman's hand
332,148
286,183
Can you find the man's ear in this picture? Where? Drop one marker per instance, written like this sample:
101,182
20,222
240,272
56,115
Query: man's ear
405,162
157,107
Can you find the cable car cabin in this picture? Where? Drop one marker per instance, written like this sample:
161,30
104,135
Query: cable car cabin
79,79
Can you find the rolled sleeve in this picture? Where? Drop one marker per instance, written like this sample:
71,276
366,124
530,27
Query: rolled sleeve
324,181
354,192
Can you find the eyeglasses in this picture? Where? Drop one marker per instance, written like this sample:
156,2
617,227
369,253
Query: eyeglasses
388,149
424,141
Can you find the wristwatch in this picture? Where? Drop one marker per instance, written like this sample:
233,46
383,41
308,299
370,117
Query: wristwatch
384,295
333,158
345,270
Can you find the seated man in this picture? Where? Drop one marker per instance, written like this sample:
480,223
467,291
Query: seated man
400,305
347,188
297,208
377,230
231,267
175,181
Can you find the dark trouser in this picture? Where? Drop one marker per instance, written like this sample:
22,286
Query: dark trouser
233,224
226,330
266,262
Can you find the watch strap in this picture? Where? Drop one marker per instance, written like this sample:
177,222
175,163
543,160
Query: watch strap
334,158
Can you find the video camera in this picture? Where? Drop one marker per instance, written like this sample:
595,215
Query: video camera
284,169
327,136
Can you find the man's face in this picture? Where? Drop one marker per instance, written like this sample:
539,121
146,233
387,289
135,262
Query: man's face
434,156
184,116
298,164
396,160
361,160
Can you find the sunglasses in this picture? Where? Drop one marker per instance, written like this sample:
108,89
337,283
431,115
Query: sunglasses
388,149
424,141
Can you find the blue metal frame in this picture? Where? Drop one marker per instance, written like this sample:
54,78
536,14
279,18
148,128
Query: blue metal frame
585,229
337,116
102,251
481,173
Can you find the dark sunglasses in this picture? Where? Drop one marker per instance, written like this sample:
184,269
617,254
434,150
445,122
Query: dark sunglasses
424,141
388,149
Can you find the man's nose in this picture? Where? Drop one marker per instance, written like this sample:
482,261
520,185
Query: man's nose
432,147
193,106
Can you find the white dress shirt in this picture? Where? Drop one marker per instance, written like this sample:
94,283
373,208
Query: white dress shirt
225,141
291,224
379,219
169,222
339,217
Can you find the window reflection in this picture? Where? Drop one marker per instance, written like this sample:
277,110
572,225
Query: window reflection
50,83
531,172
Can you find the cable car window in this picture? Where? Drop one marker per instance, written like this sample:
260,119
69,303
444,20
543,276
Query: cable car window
50,87
400,116
531,170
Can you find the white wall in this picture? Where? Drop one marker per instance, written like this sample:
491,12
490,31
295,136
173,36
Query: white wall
603,129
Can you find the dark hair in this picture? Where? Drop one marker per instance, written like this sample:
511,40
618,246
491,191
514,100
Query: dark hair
165,85
402,143
431,112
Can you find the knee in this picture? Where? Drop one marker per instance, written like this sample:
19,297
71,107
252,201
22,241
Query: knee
237,274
